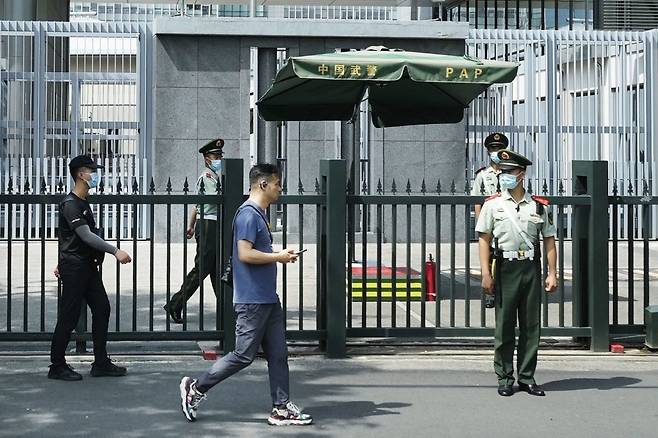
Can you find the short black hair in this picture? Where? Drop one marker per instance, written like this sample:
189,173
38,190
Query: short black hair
262,170
74,171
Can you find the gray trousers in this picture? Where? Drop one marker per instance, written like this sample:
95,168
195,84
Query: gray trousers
255,325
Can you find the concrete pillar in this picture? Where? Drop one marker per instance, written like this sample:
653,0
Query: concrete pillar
35,10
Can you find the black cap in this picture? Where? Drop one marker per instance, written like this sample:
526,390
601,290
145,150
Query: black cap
496,140
508,159
215,145
83,161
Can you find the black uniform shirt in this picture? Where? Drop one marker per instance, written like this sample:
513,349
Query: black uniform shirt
73,213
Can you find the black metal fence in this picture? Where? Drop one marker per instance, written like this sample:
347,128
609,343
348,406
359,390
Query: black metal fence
367,272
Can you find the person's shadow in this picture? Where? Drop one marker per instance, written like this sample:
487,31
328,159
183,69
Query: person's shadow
356,409
582,383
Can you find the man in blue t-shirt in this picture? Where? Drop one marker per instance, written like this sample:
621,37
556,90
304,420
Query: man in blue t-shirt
258,312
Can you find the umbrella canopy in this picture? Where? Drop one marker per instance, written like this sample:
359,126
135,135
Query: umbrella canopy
404,88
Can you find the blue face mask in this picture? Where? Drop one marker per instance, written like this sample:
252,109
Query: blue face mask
93,182
216,165
494,157
508,181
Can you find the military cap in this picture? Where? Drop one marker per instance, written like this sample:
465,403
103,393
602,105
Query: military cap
215,145
496,139
83,161
509,159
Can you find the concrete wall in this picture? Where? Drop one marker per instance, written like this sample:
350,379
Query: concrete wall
201,90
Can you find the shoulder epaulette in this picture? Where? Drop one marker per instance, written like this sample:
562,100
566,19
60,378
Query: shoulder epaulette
480,169
492,197
540,199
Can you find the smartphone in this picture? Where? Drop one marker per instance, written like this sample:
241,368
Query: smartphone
301,252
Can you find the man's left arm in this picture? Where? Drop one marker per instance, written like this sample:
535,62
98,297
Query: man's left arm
551,255
548,232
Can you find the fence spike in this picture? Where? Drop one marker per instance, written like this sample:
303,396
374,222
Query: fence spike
482,188
498,190
202,188
438,186
44,187
380,190
645,187
101,185
168,187
615,187
348,186
26,187
467,187
135,186
560,188
544,188
423,187
408,189
119,187
394,187
300,186
453,187
60,186
317,186
10,186
186,187
530,186
630,187
152,186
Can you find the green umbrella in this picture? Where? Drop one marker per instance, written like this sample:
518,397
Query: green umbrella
404,88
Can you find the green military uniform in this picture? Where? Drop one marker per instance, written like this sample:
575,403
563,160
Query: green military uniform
486,178
518,276
486,182
205,234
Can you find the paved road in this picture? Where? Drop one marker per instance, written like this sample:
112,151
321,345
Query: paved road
437,395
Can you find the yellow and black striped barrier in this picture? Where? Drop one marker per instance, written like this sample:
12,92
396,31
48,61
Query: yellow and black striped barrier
413,288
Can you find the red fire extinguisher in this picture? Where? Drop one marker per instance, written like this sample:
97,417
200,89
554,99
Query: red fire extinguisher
430,280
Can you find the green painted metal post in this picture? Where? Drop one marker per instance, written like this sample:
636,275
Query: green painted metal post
233,185
590,252
333,180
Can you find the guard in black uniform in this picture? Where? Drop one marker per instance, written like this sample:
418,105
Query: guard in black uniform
81,252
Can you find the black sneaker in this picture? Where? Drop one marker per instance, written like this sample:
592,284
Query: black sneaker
107,368
190,397
175,315
63,372
289,415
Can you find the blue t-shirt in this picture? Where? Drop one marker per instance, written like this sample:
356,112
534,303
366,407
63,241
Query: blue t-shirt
253,284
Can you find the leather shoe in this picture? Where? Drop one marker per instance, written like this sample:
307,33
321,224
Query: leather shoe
532,389
173,314
505,390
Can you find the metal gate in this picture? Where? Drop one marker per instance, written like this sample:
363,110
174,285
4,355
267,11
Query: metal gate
68,89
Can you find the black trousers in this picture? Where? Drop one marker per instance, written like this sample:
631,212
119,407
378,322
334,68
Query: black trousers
81,282
205,263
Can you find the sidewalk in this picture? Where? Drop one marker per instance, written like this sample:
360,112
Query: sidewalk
440,394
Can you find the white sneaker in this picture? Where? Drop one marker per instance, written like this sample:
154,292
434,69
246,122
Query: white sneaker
291,415
190,397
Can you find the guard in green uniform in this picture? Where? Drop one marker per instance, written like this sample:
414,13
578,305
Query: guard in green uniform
206,251
511,222
486,178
